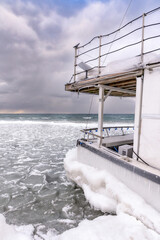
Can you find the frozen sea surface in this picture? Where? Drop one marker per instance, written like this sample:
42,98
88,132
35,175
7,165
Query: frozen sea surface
34,188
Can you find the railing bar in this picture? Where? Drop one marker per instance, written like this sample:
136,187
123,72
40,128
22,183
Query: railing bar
152,25
89,129
88,133
88,42
146,26
87,70
91,60
110,41
146,39
121,37
129,45
88,51
158,49
71,78
152,11
107,35
105,44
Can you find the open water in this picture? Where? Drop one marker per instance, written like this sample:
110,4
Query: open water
34,188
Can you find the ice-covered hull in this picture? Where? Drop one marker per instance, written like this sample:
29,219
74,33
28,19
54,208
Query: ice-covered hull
142,179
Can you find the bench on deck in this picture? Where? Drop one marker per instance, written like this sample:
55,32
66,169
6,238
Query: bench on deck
117,140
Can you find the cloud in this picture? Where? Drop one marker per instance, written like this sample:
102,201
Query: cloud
36,52
15,26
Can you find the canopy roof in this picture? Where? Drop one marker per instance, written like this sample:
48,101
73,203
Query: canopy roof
102,60
119,84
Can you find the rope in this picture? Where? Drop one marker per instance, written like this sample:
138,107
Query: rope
117,32
138,157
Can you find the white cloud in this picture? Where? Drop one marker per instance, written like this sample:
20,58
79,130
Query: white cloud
36,51
15,25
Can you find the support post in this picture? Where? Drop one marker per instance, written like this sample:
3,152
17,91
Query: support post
99,59
75,61
138,114
100,114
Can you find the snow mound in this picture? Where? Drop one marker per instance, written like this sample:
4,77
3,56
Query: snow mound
106,193
11,232
119,227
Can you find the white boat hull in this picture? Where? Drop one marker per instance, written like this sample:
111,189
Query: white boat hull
136,176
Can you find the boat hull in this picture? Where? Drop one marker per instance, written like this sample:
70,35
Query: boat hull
142,181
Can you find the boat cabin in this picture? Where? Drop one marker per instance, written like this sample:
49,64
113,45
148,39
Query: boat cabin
106,70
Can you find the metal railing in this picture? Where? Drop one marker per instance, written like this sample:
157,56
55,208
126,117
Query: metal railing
92,133
138,34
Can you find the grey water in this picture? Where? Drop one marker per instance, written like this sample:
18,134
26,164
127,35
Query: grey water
34,188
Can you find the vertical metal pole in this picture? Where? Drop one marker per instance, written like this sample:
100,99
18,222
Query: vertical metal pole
138,113
75,62
100,114
99,59
142,45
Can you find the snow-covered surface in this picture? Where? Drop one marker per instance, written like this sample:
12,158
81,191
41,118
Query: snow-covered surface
132,218
10,232
119,227
122,65
129,64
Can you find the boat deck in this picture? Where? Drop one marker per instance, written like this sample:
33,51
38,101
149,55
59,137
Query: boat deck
129,163
118,140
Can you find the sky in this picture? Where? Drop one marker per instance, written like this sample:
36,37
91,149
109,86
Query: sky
37,55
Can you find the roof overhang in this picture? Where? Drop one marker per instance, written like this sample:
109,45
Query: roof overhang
119,84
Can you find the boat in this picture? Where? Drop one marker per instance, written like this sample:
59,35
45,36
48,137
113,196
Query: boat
130,153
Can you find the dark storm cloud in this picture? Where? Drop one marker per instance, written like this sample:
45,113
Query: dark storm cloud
36,51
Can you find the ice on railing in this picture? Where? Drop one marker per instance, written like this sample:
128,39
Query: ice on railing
129,64
151,58
122,65
109,131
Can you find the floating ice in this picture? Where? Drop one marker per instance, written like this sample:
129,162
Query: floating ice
135,219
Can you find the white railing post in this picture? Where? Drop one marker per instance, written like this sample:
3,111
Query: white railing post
75,61
99,59
100,114
138,113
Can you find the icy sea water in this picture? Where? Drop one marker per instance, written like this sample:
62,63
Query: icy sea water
34,188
